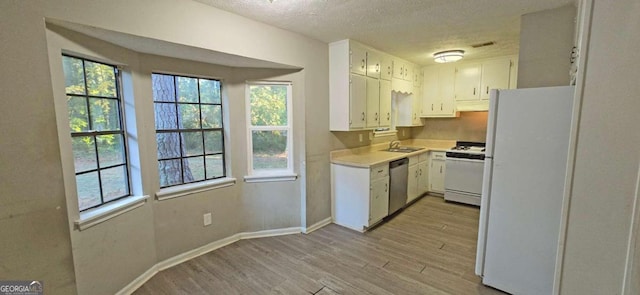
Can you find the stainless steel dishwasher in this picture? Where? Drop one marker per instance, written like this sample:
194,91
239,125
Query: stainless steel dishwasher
398,177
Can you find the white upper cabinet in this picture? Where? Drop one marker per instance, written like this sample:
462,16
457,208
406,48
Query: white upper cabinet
467,82
373,64
357,59
495,75
385,103
386,67
438,91
475,80
373,102
358,102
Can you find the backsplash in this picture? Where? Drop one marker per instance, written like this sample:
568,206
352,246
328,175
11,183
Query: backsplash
349,140
470,126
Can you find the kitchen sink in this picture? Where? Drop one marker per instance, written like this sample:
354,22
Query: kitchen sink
403,149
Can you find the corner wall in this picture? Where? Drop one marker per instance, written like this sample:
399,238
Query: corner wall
607,157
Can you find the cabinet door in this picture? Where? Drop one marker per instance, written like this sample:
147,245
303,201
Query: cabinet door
373,64
436,176
467,82
385,103
358,60
495,75
423,177
431,91
379,199
398,69
408,72
357,101
373,102
417,107
412,183
386,67
446,86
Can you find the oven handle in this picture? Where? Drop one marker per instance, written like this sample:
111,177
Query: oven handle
464,160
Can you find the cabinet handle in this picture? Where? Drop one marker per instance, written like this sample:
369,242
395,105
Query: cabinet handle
487,89
377,68
381,170
414,116
364,64
474,91
362,116
388,116
376,116
440,169
420,171
386,187
441,106
432,107
416,173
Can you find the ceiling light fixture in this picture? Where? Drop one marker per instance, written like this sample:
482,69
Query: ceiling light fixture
448,56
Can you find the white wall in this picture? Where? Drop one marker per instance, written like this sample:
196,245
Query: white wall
546,39
607,157
108,256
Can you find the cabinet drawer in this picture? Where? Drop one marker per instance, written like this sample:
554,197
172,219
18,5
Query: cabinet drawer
414,160
379,171
438,155
423,157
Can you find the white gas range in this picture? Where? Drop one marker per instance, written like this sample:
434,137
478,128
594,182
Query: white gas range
465,167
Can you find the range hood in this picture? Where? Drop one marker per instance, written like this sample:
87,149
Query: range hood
472,105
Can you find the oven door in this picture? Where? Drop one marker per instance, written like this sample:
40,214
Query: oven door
464,175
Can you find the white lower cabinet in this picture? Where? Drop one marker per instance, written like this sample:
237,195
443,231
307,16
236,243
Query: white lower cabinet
418,182
360,196
437,171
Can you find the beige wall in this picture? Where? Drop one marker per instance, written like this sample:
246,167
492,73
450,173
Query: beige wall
607,157
110,255
470,126
546,39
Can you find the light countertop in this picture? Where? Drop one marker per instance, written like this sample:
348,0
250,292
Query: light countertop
366,157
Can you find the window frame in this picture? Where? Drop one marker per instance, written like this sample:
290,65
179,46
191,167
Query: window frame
94,134
270,174
174,190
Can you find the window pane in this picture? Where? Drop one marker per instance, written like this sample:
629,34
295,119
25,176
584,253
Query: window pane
84,153
110,149
209,91
269,149
101,79
114,183
170,172
88,188
164,88
78,117
168,145
189,116
104,114
212,142
268,105
166,116
193,169
192,143
214,166
211,116
187,89
73,75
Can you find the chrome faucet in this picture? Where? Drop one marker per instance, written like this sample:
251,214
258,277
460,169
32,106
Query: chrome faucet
394,144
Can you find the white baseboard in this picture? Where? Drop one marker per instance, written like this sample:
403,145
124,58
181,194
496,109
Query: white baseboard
317,225
180,258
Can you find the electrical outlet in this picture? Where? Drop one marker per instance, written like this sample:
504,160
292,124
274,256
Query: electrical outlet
360,137
207,219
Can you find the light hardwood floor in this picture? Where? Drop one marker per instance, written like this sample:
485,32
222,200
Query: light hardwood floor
429,248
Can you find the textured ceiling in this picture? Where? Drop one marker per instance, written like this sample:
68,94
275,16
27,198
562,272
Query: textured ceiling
410,29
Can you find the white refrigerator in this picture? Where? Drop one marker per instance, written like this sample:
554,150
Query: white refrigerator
523,186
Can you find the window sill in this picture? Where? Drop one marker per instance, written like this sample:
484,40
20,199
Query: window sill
101,214
271,178
192,188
